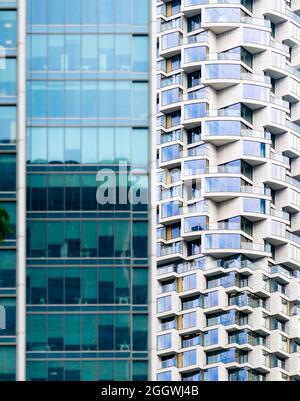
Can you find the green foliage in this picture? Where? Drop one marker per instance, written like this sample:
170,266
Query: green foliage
4,224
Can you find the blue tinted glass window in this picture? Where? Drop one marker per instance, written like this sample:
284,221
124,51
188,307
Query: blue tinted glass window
89,145
7,269
140,9
194,110
72,145
106,12
122,142
72,99
140,53
122,52
194,54
7,124
122,12
89,53
72,52
39,11
55,11
73,12
140,100
56,104
39,145
89,90
106,154
123,98
8,29
7,363
55,145
106,99
8,173
140,333
89,12
39,61
139,146
8,317
55,53
106,52
8,77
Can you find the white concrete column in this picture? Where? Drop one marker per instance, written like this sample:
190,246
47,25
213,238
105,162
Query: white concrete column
21,193
152,198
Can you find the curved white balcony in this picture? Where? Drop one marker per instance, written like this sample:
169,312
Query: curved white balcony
230,244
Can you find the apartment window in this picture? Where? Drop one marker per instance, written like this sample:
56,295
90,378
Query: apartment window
194,54
194,79
222,184
224,128
191,302
256,92
164,304
194,135
189,282
171,152
211,299
194,167
164,341
171,40
191,340
168,324
194,23
195,110
168,286
229,241
256,149
253,205
192,377
193,248
222,71
167,361
170,209
189,320
252,35
221,15
197,223
211,337
164,376
170,96
189,358
211,374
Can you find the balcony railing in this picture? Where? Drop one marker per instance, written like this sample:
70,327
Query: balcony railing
170,249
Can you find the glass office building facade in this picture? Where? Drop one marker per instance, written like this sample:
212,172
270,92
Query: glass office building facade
87,123
8,152
213,295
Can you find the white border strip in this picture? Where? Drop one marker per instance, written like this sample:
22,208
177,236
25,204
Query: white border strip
152,194
21,192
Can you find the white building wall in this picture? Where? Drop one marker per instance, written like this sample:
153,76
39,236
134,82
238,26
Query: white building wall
228,250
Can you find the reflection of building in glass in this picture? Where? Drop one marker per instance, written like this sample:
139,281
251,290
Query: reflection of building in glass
8,157
87,264
87,96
